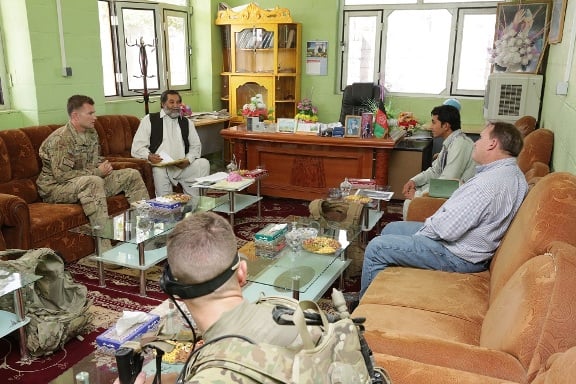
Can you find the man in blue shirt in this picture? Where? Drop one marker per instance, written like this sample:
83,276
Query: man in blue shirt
464,233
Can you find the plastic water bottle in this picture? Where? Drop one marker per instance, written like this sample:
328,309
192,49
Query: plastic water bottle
83,378
345,187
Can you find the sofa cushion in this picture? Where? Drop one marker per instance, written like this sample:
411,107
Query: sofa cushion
49,219
448,354
408,371
18,165
418,323
116,133
559,369
550,202
37,135
462,295
538,146
533,314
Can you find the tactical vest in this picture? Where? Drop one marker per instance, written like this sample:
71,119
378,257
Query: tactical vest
157,131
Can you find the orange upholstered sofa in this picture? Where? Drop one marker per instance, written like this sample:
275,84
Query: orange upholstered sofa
499,326
25,221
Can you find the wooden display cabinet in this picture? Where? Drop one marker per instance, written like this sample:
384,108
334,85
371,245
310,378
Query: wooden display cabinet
260,57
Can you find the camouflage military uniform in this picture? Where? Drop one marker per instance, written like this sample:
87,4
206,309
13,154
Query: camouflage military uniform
70,173
253,321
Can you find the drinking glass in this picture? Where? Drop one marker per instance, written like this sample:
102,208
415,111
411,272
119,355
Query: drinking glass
294,240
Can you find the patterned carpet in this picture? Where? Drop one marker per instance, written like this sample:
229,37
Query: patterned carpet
121,293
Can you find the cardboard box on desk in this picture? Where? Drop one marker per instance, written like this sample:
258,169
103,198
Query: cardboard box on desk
110,341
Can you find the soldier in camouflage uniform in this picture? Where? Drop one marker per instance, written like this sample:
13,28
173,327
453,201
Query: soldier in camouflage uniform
73,170
200,248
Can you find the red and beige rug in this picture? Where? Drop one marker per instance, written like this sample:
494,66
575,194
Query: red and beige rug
121,293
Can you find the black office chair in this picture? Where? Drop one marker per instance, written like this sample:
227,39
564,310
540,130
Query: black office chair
354,98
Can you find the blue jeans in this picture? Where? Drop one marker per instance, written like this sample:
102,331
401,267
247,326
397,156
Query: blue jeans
399,246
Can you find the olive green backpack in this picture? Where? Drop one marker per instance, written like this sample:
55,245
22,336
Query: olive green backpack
56,305
346,214
334,350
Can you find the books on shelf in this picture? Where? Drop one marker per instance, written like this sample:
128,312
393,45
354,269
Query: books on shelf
247,39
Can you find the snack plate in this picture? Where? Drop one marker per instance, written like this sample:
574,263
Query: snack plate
321,245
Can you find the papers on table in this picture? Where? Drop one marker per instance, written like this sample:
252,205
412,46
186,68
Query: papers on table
213,177
376,195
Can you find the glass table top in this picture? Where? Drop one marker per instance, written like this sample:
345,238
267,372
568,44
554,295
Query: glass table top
300,270
142,223
11,281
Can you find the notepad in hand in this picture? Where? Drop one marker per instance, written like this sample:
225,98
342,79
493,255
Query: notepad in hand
443,187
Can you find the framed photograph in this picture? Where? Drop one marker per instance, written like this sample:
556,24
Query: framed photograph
520,27
352,126
286,125
557,21
307,128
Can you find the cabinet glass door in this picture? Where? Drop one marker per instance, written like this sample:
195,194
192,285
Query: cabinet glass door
244,88
287,48
254,50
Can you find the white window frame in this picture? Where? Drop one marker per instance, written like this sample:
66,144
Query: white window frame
159,52
455,90
345,33
386,7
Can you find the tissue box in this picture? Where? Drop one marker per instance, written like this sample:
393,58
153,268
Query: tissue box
271,232
109,341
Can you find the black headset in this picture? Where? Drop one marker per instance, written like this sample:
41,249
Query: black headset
190,291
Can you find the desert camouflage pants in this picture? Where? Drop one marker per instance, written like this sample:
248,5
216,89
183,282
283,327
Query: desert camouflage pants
91,191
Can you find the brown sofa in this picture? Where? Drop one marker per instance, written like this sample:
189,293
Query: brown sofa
498,326
25,221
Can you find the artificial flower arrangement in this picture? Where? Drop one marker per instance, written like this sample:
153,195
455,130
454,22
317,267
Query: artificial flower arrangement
185,110
307,112
407,121
255,108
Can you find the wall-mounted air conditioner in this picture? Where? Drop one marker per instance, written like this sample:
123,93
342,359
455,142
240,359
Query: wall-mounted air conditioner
510,96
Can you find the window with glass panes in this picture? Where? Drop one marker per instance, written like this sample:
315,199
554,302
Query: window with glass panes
144,42
418,46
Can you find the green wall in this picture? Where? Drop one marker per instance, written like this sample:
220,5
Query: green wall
559,112
40,91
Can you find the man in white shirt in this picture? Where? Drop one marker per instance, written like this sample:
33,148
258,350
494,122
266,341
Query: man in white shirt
464,233
167,133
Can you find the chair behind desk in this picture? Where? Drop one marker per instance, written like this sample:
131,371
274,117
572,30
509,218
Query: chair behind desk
354,98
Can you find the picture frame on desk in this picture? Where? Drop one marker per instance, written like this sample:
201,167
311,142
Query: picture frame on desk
352,125
284,125
307,128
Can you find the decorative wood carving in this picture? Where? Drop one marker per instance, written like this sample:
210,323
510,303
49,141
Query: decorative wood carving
254,14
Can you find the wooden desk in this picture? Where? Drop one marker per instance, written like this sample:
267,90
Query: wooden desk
409,158
305,166
209,133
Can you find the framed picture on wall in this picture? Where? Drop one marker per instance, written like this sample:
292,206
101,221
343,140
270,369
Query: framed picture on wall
520,27
352,125
557,21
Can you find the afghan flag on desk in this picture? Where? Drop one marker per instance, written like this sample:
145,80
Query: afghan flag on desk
381,128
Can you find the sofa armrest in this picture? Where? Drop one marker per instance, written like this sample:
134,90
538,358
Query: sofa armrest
14,222
423,207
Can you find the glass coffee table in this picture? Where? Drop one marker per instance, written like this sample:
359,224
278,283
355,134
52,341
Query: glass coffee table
13,282
139,231
304,275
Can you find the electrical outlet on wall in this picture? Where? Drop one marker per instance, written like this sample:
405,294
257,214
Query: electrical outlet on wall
562,88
